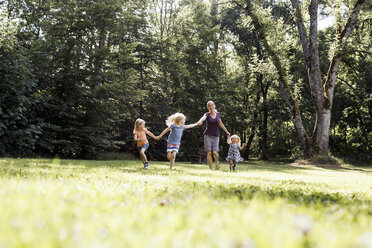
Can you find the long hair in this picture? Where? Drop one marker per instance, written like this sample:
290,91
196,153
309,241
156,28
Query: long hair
177,118
237,137
137,123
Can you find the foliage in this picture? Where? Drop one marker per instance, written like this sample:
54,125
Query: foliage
19,129
6,29
81,72
352,116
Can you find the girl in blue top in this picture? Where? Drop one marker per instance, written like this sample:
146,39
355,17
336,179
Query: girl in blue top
176,124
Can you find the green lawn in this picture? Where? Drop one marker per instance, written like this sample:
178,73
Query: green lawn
78,203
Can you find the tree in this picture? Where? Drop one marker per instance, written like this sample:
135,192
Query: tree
351,124
318,142
19,128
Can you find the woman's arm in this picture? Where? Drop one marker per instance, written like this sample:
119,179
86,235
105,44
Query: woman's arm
193,125
223,127
203,118
164,132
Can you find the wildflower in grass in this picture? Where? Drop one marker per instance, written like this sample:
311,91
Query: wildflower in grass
303,223
365,240
63,233
102,232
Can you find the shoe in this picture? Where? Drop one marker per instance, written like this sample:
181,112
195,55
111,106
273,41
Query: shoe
234,167
218,166
147,165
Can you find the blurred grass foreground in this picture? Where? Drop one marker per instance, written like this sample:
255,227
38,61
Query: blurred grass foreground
77,203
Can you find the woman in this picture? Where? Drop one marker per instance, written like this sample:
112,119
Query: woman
212,133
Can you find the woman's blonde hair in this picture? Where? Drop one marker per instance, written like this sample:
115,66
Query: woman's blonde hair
137,123
236,137
177,118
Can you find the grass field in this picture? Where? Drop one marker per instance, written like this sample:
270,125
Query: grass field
78,203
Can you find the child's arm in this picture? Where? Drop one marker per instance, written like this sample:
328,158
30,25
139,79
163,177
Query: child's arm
242,146
164,132
193,125
229,140
150,134
135,137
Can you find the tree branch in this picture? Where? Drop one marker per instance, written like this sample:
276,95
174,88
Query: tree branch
349,85
301,30
352,68
311,49
335,62
351,22
313,33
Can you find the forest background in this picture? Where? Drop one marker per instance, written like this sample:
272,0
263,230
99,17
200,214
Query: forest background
76,74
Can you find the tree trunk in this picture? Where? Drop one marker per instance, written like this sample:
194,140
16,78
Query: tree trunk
265,110
265,113
252,132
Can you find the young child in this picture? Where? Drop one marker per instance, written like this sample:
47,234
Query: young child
233,155
139,134
176,124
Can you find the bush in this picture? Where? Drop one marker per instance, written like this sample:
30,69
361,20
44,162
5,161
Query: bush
297,153
321,159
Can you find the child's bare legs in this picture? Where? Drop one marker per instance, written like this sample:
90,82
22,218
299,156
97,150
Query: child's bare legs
143,155
231,164
216,156
209,159
171,157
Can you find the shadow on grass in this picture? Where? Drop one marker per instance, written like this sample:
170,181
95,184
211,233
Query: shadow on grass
11,166
216,190
366,170
203,169
246,192
297,196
